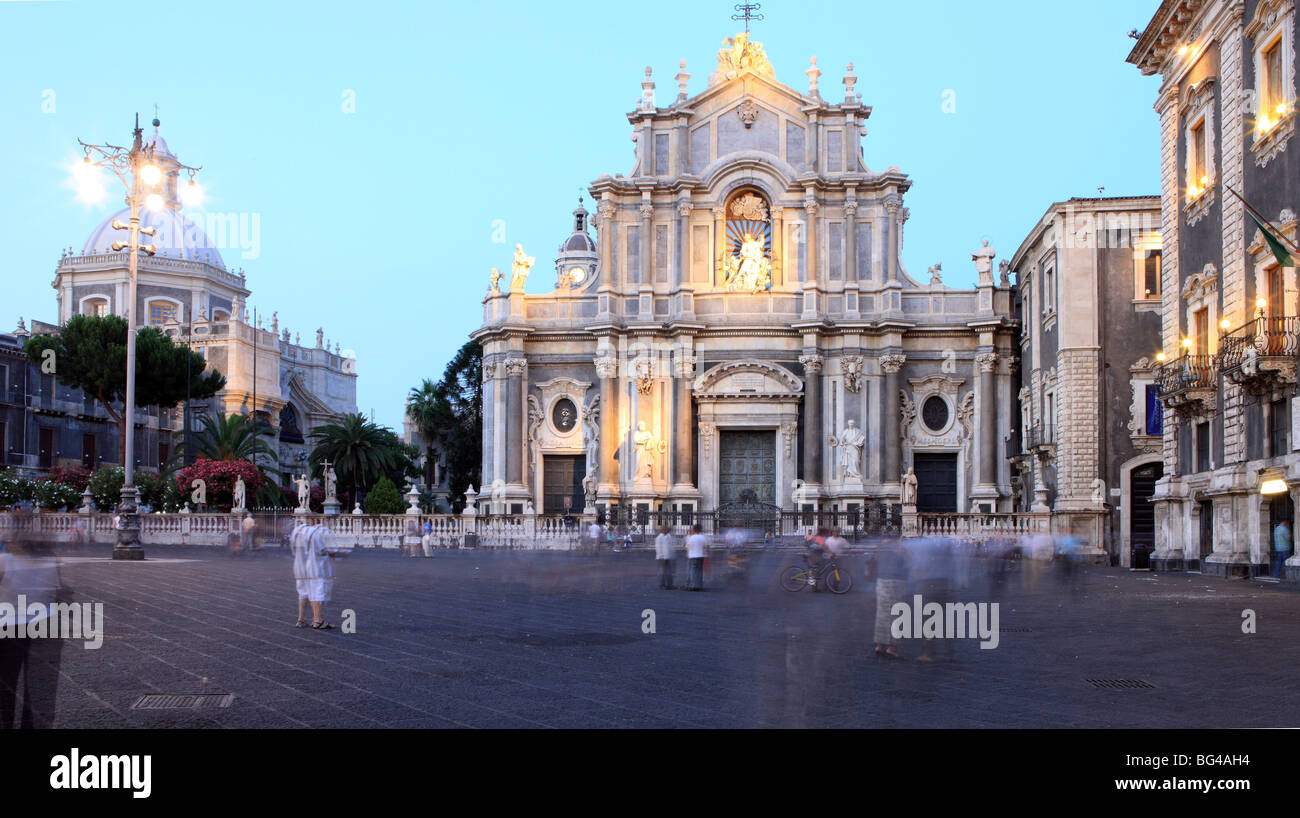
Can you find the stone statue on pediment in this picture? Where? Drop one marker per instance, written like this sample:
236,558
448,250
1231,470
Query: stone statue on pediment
520,266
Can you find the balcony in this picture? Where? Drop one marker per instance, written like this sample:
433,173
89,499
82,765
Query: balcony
1260,356
1041,438
1188,385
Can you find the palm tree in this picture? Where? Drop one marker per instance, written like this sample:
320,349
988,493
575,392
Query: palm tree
239,437
360,451
427,407
232,437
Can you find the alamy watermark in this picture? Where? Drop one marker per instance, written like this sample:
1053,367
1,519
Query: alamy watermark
951,620
54,620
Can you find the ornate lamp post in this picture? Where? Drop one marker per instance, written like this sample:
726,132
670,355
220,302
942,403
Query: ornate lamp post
136,168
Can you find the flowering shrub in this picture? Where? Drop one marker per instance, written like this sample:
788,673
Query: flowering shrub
219,477
106,486
55,496
75,476
14,489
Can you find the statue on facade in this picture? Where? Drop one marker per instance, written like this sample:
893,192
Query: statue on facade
304,491
850,443
519,269
495,289
241,495
591,437
589,489
644,442
910,485
983,259
331,482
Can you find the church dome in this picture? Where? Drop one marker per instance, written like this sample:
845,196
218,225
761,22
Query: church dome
178,237
579,242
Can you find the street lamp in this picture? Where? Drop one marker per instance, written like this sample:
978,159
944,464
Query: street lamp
137,169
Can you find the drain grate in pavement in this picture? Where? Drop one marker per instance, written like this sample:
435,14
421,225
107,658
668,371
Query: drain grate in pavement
183,701
1126,684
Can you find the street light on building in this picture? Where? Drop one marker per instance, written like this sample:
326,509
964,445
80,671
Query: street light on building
140,174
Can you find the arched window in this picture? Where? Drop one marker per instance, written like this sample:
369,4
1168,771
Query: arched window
159,311
290,432
95,306
747,263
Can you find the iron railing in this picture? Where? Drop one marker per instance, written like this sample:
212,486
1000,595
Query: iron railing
1042,434
1268,337
1188,372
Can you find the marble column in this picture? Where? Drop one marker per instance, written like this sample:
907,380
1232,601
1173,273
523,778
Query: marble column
607,371
812,403
605,212
988,434
516,447
681,270
646,243
851,240
891,258
892,365
684,454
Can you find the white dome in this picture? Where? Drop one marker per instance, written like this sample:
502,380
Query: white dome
177,237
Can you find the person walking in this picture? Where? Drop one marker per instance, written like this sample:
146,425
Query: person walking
313,571
664,553
1281,548
29,573
697,548
890,569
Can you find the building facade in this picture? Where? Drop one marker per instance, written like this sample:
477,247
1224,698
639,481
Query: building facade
1089,437
742,327
1227,116
187,291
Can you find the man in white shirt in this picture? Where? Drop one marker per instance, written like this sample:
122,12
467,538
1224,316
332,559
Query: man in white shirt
664,553
697,548
313,571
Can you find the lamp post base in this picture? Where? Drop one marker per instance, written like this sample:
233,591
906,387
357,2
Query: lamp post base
127,546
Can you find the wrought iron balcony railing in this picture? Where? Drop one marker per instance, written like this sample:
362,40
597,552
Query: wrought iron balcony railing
1188,384
1040,435
1261,354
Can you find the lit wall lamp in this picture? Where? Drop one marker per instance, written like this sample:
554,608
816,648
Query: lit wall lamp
1272,482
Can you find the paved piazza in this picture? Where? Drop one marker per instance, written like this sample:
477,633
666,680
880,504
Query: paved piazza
529,639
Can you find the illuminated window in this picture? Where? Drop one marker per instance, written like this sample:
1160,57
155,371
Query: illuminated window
1150,273
1201,331
1196,149
1272,91
95,306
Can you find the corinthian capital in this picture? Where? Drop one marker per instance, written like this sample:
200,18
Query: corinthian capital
892,364
684,207
606,366
646,210
812,364
987,362
515,367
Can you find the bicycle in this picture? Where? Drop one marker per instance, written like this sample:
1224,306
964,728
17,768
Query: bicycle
835,579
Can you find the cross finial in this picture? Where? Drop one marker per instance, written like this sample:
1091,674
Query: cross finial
748,12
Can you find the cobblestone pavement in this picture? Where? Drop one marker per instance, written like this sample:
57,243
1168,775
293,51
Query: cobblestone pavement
529,639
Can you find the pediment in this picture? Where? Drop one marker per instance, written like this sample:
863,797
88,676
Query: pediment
748,379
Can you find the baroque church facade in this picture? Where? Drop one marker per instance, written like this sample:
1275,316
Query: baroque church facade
742,327
187,291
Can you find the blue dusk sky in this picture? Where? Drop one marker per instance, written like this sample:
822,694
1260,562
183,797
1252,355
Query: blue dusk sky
378,225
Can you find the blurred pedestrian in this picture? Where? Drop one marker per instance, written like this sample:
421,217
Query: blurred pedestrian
890,570
313,571
29,664
931,572
1281,548
697,548
664,548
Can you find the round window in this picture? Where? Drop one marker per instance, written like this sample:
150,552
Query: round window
935,413
564,415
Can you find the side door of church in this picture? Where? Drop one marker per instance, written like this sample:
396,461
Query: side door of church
562,483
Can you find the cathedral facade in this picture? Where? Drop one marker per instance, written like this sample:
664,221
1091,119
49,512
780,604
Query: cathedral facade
742,327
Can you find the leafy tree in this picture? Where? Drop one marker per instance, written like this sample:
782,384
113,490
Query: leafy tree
429,409
384,499
453,410
90,355
360,451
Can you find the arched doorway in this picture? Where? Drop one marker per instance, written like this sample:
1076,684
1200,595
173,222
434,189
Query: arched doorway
1142,515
